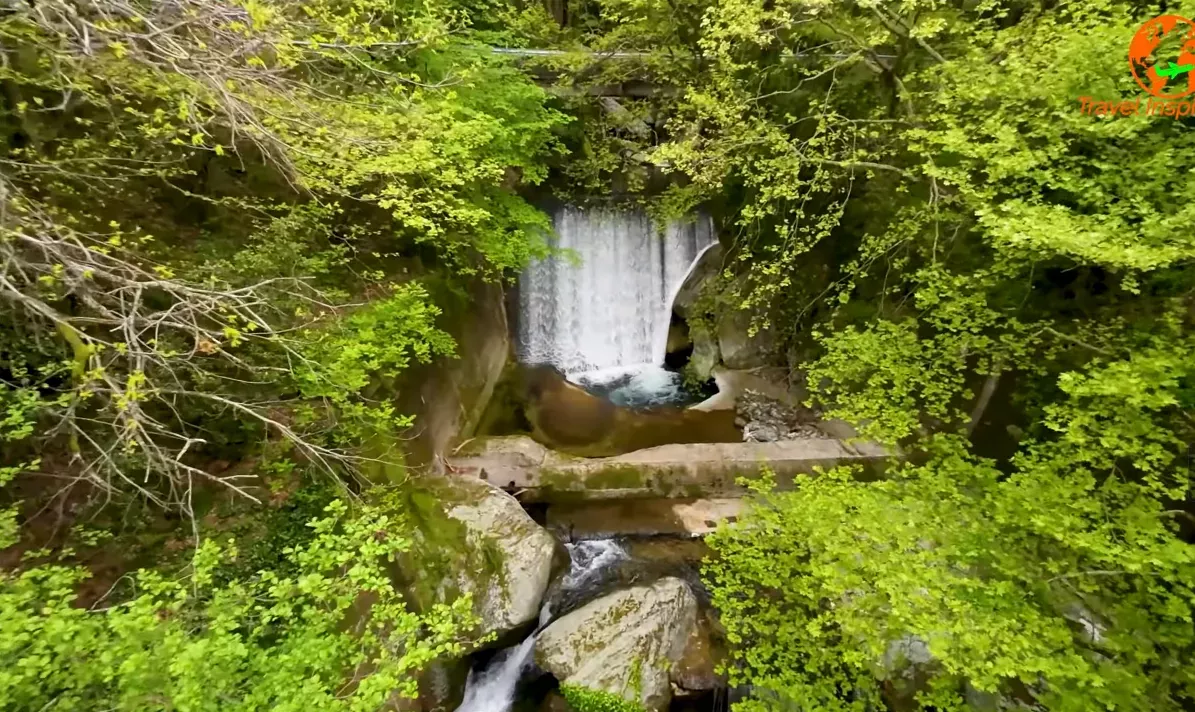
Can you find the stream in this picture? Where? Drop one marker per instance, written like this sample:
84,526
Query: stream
493,688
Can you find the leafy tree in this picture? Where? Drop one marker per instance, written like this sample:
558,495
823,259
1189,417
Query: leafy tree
199,196
334,635
983,240
952,586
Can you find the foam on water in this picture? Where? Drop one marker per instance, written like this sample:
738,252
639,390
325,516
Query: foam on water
635,386
493,689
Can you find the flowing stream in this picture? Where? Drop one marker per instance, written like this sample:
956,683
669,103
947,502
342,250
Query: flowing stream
601,312
492,689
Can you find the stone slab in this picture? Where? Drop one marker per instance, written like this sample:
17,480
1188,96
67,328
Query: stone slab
603,519
696,470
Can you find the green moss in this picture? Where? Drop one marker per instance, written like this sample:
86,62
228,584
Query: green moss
584,699
443,551
615,477
637,677
559,481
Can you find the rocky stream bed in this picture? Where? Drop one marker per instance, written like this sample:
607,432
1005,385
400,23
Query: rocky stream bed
612,620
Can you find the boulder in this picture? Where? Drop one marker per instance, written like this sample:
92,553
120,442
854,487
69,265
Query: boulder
741,349
624,643
520,551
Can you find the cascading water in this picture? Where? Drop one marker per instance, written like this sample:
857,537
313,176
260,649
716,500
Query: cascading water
493,688
601,314
588,558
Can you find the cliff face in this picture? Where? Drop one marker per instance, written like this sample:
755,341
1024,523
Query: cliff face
449,396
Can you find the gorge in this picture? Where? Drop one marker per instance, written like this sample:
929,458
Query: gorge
595,356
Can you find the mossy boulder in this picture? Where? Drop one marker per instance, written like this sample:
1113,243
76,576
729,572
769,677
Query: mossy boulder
517,554
623,644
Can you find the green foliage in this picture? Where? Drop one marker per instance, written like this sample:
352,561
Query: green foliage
333,635
914,202
200,198
584,699
1071,593
344,364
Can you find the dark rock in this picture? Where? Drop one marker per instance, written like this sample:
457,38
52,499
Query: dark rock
696,671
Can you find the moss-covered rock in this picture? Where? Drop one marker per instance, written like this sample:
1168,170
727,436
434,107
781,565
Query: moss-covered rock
621,645
516,554
473,538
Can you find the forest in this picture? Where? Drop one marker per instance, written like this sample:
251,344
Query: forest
307,306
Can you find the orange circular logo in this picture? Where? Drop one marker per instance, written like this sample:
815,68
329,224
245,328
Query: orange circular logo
1162,56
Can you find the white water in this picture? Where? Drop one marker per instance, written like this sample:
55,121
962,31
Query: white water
493,689
609,309
588,558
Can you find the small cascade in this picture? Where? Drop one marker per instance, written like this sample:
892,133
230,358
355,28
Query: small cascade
587,559
492,689
602,312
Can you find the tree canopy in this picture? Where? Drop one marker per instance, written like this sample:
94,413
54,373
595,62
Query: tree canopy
216,222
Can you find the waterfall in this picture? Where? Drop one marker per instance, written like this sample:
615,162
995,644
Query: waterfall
607,305
586,559
493,689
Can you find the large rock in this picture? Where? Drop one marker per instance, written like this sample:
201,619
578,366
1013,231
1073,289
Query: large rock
509,595
449,395
624,643
739,347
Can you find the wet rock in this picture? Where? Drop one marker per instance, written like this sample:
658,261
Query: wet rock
442,685
520,550
696,671
623,643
